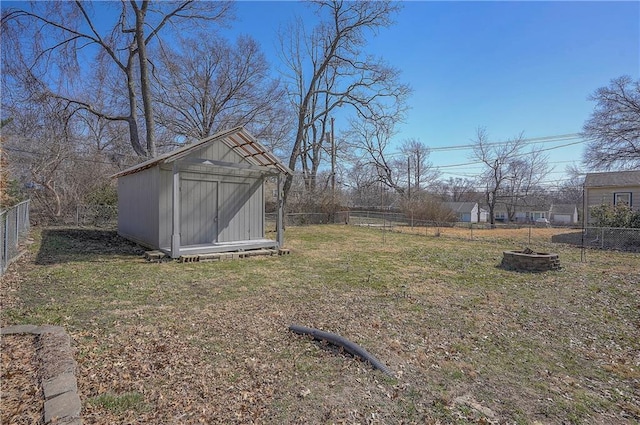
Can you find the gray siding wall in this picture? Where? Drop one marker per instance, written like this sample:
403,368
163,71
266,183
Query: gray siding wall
241,211
220,152
596,196
199,218
165,215
138,207
240,199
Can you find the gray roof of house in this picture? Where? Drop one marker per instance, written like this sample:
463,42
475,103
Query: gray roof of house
613,178
461,207
526,205
563,208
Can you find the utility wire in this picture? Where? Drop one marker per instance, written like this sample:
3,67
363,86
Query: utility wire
522,154
535,140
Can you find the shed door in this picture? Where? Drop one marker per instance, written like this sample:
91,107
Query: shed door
198,212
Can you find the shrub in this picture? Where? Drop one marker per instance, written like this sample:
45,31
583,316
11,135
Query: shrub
428,208
606,215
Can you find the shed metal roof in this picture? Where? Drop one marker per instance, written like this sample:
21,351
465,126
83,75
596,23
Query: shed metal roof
238,139
613,178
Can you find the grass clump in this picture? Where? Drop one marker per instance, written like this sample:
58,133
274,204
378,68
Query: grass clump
120,403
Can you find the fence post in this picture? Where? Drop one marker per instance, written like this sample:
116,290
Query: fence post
5,243
17,227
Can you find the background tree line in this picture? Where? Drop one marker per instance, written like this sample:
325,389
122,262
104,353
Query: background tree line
91,88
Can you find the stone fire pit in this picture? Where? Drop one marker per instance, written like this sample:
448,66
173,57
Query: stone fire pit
529,261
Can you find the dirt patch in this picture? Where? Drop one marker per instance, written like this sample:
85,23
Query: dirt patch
60,245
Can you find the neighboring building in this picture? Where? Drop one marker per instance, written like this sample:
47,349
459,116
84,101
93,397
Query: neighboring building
205,197
566,214
468,212
523,213
611,188
484,215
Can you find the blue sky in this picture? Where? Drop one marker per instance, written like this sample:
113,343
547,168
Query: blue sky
510,67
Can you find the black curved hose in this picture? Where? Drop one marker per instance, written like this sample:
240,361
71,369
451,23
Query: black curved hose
348,346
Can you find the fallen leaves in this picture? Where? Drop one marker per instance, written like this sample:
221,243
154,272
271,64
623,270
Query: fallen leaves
163,343
22,397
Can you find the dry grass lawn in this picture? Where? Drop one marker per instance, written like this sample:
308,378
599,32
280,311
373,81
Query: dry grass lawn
174,343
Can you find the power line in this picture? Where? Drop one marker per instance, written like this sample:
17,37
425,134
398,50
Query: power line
523,142
535,140
522,154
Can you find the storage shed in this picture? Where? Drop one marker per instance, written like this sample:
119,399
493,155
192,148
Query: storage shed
206,197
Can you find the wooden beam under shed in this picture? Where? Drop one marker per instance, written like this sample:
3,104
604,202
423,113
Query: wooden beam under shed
230,165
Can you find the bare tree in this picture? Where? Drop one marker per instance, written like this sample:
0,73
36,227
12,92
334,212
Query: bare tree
494,157
419,169
569,190
361,180
524,172
614,126
51,159
209,84
327,70
509,173
317,140
370,141
43,165
6,197
64,34
457,189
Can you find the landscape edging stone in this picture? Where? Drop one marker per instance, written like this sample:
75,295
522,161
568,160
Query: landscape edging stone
59,384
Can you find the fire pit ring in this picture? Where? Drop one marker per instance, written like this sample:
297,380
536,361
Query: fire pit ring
529,261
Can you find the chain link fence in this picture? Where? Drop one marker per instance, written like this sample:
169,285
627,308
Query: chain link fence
384,220
615,238
106,216
623,239
14,229
305,219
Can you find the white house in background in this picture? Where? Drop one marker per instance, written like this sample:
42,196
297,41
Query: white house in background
611,188
523,213
205,197
555,213
566,214
468,212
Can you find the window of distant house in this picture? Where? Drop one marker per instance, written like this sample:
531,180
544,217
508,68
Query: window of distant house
622,198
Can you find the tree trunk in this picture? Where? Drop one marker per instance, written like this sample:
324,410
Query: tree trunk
492,204
295,152
58,204
145,86
132,120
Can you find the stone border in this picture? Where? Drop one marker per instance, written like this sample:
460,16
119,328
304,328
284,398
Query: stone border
57,372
